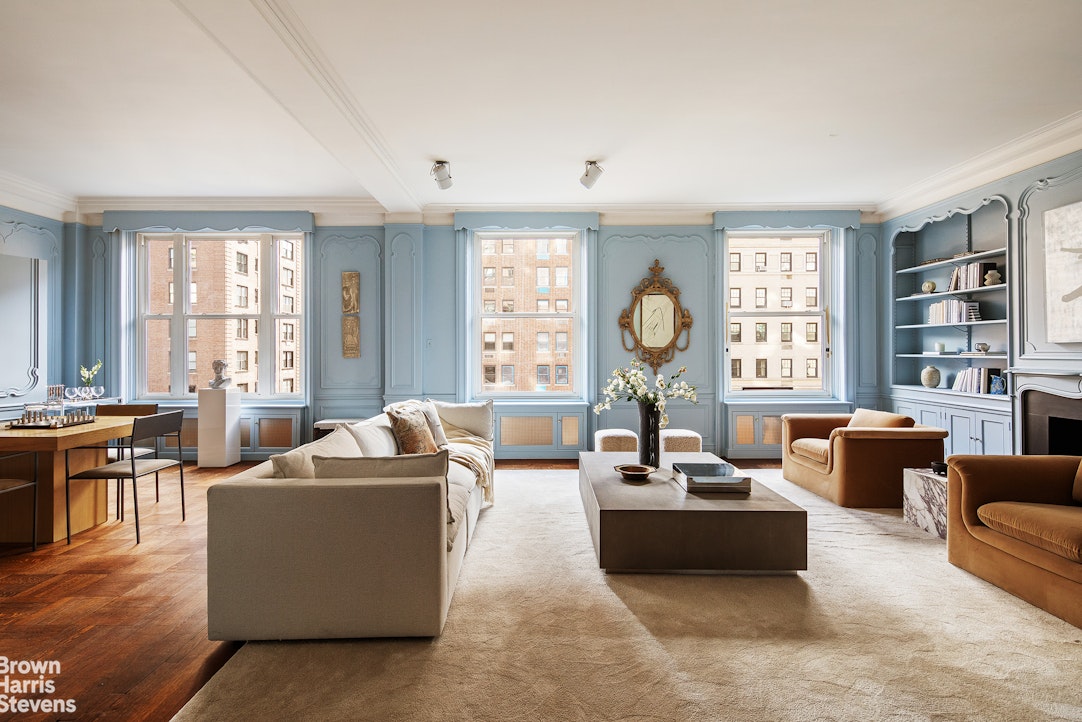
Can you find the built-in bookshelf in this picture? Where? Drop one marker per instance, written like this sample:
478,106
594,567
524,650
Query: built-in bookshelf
949,312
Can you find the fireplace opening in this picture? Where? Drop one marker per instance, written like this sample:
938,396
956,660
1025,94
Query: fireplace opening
1051,424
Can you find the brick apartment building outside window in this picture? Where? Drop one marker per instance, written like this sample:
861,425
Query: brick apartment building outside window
525,326
786,329
218,315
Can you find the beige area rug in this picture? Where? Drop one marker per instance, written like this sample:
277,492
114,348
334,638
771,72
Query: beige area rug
880,627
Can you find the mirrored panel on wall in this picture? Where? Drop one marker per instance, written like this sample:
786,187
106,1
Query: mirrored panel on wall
22,326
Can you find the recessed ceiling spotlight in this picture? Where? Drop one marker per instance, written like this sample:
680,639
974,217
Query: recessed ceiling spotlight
441,171
592,173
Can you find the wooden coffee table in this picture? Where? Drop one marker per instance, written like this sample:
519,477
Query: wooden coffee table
657,526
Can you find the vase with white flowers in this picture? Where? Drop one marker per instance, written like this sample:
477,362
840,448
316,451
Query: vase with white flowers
88,374
631,384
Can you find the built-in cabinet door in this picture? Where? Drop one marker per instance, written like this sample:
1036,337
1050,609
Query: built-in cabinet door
960,430
995,434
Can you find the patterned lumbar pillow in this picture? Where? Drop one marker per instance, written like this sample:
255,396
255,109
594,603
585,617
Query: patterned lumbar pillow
411,430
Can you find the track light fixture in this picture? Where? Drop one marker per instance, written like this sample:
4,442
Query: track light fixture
441,171
592,173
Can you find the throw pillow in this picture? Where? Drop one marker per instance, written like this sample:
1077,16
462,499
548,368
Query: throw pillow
374,436
411,430
297,464
879,419
429,410
476,418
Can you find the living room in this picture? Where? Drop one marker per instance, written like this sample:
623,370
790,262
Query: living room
901,138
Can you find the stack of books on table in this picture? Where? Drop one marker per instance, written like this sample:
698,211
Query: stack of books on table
716,477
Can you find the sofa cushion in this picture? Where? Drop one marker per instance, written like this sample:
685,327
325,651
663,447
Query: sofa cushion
1055,528
457,499
374,436
387,467
476,418
411,430
880,419
431,415
297,464
818,450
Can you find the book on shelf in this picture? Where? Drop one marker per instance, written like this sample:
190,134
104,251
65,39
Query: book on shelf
970,276
976,380
720,477
953,310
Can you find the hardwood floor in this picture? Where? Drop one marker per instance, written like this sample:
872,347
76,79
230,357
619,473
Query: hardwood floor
126,622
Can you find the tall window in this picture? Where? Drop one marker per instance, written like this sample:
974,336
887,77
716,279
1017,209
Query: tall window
774,307
734,333
546,314
221,321
734,262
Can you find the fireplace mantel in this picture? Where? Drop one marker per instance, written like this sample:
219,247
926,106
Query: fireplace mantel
1047,408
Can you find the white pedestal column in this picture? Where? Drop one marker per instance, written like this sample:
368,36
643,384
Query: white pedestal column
219,427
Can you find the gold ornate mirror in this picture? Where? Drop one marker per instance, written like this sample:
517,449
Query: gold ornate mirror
655,320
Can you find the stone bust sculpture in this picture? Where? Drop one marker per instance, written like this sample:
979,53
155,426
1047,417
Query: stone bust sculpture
220,380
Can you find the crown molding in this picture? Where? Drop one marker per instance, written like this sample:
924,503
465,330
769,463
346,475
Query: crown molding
32,197
327,211
669,214
1052,141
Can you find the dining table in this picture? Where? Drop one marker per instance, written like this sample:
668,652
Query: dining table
89,499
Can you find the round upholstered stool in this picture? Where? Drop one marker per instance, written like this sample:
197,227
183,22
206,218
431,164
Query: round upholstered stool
680,440
615,440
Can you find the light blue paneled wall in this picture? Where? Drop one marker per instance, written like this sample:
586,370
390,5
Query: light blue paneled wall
346,387
625,255
441,288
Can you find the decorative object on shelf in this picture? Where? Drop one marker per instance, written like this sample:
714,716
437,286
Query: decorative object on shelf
630,384
993,278
930,377
940,347
928,286
220,380
655,320
997,386
87,375
982,347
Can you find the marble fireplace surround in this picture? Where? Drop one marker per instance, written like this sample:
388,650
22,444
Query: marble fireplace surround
1048,407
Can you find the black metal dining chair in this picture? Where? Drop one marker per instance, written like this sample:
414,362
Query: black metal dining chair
7,485
117,448
154,427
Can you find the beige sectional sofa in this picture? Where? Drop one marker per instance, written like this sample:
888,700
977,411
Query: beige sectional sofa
346,536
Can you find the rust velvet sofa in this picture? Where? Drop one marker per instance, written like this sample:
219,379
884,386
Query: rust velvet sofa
1016,521
856,460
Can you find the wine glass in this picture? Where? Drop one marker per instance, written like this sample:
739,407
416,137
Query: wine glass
72,392
98,391
86,393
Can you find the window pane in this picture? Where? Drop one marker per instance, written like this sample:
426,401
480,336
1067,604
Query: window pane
775,314
290,350
159,276
290,283
216,338
215,274
734,333
535,312
157,355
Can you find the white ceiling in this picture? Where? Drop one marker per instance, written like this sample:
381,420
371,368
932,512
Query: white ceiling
689,104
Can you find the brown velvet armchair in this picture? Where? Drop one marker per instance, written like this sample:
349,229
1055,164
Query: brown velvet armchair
1016,521
856,460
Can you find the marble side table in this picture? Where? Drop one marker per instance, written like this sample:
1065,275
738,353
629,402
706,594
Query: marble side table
924,500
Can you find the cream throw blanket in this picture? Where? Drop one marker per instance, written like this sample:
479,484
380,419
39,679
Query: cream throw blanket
474,453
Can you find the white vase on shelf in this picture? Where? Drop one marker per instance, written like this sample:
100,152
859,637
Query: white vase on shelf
930,377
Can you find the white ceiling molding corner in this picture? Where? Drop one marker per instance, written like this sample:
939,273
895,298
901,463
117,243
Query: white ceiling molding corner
1044,144
30,197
